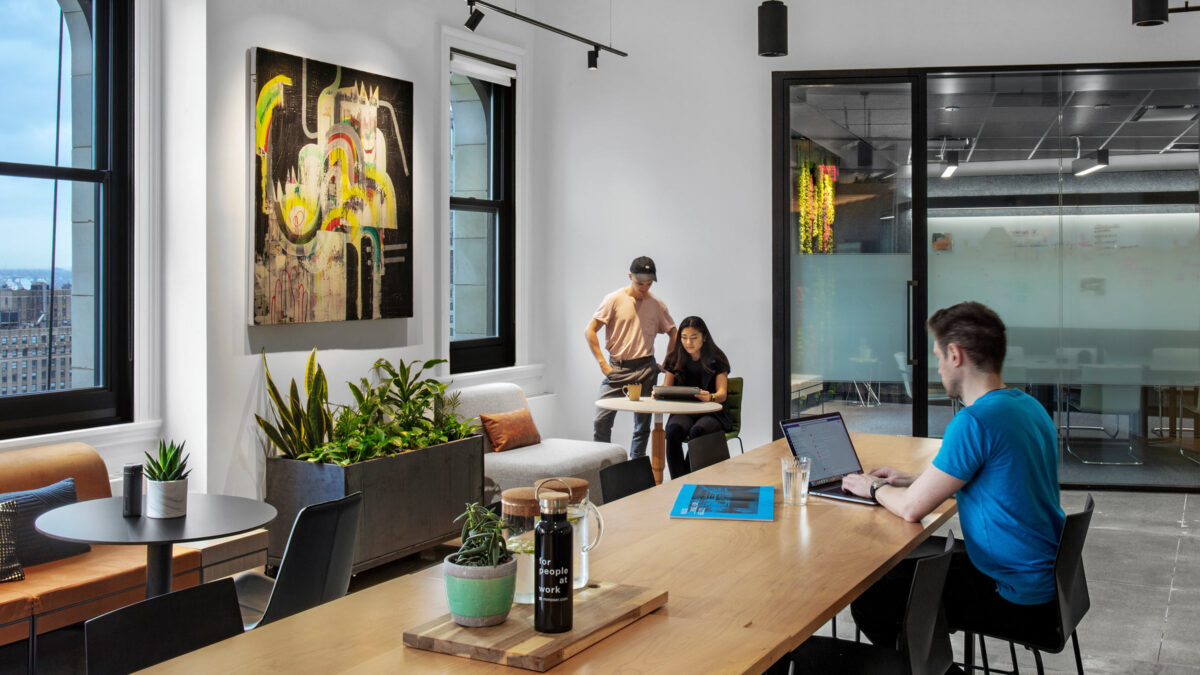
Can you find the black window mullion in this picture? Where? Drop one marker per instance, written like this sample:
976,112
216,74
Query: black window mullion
112,174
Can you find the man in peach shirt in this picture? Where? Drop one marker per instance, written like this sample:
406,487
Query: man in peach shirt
631,318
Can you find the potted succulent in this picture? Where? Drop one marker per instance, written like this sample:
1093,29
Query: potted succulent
166,481
399,442
481,575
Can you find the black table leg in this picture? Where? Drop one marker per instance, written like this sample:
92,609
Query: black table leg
158,569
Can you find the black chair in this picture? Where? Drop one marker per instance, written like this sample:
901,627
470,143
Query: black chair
924,643
733,404
140,635
626,478
1072,595
315,568
707,450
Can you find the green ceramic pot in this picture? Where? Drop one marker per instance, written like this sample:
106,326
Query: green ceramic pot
479,596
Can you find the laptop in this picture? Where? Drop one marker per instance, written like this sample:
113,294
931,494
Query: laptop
824,439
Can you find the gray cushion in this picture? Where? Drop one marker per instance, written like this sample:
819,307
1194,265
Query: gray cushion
33,547
522,467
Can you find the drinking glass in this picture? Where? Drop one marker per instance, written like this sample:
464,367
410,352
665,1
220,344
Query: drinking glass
795,480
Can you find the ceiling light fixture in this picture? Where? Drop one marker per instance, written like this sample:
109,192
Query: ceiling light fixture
476,16
950,108
1156,12
951,164
593,59
772,28
596,46
1091,163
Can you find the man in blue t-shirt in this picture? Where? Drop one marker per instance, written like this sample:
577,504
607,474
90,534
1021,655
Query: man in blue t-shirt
999,459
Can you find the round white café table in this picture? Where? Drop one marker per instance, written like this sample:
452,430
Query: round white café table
658,408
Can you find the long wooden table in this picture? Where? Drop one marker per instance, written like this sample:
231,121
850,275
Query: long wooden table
742,594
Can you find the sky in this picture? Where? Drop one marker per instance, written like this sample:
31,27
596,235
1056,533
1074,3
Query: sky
28,61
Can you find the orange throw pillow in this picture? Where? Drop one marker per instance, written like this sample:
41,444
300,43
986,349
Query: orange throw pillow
510,430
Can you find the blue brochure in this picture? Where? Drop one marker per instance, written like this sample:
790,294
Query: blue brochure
725,502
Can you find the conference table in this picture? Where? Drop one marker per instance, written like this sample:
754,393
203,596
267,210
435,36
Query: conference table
741,594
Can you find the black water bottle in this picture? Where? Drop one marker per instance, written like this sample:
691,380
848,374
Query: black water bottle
552,549
131,491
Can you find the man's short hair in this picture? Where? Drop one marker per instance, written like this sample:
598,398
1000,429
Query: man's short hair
976,329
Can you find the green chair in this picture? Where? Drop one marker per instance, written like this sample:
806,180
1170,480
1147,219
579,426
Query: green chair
733,403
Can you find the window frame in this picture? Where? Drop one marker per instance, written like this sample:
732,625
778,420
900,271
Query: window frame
500,351
113,173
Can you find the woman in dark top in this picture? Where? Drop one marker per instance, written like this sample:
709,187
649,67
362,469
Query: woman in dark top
695,362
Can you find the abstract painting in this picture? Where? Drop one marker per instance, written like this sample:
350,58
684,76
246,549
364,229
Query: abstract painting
333,203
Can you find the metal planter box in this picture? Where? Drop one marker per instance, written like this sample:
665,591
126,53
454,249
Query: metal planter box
410,500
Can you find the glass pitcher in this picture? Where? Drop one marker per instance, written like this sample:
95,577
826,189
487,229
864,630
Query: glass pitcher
581,513
519,509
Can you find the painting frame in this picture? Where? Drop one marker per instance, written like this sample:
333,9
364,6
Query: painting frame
331,221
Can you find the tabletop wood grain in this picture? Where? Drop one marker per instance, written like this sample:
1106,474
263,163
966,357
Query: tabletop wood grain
742,594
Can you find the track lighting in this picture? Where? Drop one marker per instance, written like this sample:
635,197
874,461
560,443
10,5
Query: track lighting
1090,164
772,28
1150,12
593,55
1156,12
951,164
476,16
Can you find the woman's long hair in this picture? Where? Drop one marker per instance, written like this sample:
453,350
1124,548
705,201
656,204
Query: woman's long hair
710,353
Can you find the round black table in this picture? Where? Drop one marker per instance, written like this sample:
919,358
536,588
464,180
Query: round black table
101,521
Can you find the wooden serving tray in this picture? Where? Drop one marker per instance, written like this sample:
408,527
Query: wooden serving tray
600,609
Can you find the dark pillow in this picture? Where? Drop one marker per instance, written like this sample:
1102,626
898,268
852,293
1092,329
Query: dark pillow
10,567
33,547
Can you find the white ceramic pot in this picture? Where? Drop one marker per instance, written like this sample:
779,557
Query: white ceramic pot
166,499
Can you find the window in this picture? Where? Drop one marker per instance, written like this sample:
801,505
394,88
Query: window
66,179
482,213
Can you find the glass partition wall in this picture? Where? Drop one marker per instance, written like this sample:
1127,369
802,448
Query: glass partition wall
1065,199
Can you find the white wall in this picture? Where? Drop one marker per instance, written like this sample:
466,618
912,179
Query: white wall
667,152
399,39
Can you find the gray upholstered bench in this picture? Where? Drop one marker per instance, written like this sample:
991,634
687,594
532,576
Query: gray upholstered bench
522,467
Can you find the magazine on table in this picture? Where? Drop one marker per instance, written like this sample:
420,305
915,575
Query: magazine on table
725,502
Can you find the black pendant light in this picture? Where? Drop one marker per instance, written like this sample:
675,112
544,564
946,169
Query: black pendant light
772,28
1150,12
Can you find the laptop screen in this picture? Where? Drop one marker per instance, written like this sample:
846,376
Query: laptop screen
824,439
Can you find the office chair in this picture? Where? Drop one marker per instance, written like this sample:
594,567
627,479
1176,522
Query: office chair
1108,389
626,478
707,450
1071,595
315,567
733,404
157,629
924,644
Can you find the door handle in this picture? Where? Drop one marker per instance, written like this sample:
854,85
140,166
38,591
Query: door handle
912,361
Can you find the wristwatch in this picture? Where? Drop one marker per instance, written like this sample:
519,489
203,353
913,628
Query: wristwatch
876,484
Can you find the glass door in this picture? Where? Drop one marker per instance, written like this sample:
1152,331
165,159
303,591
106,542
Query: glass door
1073,214
848,229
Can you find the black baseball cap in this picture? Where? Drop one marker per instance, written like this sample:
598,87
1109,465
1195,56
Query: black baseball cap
642,269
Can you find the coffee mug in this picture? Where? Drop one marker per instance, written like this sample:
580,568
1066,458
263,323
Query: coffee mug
633,391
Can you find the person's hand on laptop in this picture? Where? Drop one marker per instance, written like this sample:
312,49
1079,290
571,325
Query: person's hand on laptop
894,477
858,483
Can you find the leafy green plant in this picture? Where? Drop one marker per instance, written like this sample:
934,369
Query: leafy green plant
298,429
483,542
404,411
170,463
